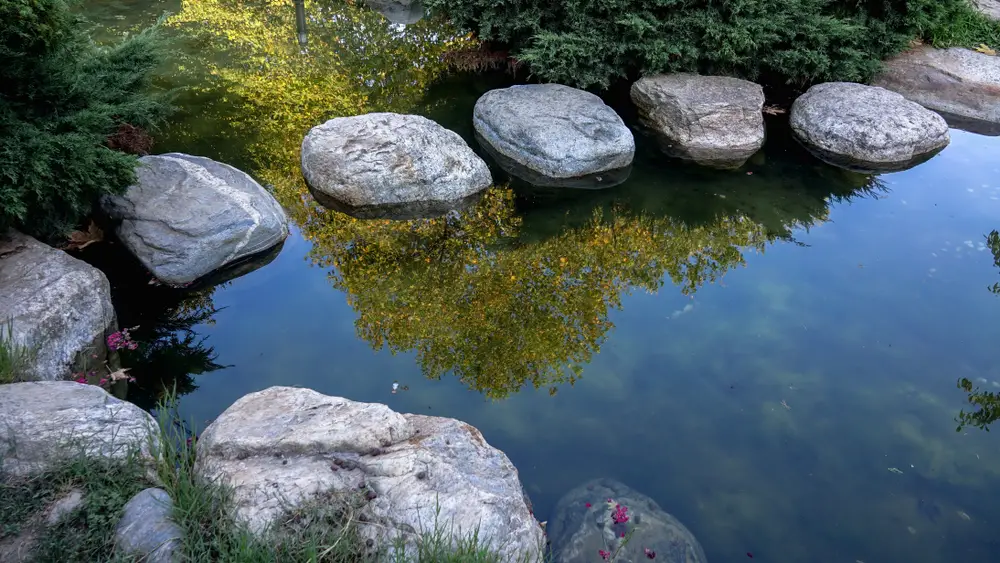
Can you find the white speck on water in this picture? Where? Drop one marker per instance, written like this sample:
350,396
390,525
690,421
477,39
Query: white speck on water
932,270
981,380
970,190
986,185
934,254
994,198
996,383
969,243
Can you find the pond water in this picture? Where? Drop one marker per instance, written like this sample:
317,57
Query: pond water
770,353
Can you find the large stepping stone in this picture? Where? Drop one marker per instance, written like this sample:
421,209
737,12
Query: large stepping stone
962,85
711,120
391,164
866,128
555,132
188,216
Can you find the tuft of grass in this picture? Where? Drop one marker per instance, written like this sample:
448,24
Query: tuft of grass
324,531
441,545
966,27
85,534
15,358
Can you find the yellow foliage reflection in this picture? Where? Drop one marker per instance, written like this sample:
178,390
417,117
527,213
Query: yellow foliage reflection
473,300
467,293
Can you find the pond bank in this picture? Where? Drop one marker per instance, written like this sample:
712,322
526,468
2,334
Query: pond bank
402,484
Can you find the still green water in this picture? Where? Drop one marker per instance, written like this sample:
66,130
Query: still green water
771,353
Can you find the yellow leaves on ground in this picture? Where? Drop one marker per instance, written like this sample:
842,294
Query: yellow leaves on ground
986,50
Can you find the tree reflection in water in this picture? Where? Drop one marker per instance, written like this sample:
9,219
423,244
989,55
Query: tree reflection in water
513,291
985,403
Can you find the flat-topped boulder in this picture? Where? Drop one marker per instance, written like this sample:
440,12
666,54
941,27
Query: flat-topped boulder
43,423
286,447
187,216
711,120
390,160
58,307
593,516
961,84
553,130
866,128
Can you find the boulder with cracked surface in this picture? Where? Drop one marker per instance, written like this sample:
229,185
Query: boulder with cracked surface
960,84
711,120
45,422
59,308
284,447
188,216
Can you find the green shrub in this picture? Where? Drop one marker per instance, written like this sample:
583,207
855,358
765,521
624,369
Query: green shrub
593,42
61,97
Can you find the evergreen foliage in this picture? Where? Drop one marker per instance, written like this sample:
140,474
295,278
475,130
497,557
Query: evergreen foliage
593,42
61,97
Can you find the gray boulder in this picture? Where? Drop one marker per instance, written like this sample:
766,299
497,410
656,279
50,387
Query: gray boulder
284,447
866,128
554,130
147,530
381,160
404,12
46,422
962,85
60,307
989,7
577,532
187,216
711,120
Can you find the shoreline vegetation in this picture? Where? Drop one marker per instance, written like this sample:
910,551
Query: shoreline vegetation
325,530
775,42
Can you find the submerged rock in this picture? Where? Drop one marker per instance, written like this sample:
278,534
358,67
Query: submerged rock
146,529
188,216
59,307
388,159
866,128
284,447
962,85
45,422
711,120
577,531
553,130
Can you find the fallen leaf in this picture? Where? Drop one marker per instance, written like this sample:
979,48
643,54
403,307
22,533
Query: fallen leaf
774,110
985,49
78,240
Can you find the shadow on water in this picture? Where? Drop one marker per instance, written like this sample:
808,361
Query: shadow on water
170,353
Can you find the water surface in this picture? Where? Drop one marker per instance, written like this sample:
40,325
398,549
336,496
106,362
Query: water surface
754,349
